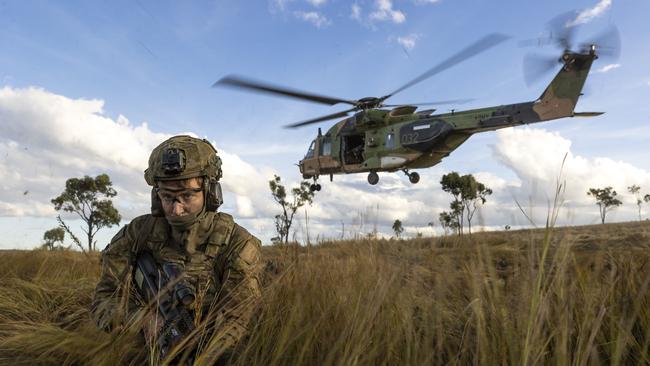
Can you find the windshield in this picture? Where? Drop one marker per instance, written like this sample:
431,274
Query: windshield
310,152
326,147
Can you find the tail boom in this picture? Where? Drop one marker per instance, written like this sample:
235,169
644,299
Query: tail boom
561,96
557,101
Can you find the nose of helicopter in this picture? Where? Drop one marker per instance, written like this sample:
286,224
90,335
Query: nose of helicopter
303,170
301,166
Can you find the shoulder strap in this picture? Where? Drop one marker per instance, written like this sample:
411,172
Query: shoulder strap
222,228
143,233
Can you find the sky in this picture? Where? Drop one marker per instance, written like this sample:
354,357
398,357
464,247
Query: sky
90,87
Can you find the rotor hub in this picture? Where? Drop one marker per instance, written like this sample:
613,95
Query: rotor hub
369,102
566,56
592,49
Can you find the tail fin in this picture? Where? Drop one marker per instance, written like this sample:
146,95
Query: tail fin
560,97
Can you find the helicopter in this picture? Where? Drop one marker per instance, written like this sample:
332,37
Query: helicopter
375,139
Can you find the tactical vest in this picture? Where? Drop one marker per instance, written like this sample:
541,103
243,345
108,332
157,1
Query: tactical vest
204,268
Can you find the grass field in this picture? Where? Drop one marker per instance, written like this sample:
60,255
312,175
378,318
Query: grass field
568,296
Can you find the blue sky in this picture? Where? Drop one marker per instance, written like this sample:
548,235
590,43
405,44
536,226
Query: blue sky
153,62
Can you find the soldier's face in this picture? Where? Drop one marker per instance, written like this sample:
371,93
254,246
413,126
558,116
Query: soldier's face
181,197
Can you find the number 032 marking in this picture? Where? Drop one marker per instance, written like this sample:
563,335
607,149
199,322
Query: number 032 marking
409,138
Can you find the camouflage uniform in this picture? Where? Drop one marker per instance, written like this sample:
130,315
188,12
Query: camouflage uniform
221,261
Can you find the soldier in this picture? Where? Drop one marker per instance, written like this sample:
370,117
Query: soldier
220,259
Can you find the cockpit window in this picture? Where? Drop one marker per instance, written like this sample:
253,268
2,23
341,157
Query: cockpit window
310,152
326,147
390,140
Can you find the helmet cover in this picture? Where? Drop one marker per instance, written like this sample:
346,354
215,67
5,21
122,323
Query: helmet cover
183,157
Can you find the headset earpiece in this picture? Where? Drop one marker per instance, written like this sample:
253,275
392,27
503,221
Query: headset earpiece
214,195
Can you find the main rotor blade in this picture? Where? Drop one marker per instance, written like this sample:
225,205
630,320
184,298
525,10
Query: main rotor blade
472,50
320,119
532,42
258,86
451,101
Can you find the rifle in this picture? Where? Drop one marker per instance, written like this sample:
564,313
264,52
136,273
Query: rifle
172,296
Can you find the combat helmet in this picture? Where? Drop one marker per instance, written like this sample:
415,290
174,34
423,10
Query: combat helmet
184,157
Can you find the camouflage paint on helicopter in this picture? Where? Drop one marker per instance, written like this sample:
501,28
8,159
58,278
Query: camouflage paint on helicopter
386,140
401,139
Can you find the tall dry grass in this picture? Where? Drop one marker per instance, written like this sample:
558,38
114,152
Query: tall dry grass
575,296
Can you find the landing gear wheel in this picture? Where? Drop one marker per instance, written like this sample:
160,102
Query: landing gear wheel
414,177
314,186
373,178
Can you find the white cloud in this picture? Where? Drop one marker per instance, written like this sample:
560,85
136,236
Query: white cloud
48,138
536,155
247,149
409,41
313,17
245,180
495,182
419,2
356,12
384,12
280,5
245,206
531,153
609,67
317,2
587,15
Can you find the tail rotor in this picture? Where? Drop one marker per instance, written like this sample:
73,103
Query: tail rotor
561,33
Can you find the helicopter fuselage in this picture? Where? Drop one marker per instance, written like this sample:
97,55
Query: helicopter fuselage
377,140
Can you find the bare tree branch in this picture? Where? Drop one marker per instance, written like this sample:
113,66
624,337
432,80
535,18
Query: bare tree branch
72,235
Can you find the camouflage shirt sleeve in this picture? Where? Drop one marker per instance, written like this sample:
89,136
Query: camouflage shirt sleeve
240,269
112,303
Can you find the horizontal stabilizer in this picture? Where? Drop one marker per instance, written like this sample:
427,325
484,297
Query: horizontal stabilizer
587,114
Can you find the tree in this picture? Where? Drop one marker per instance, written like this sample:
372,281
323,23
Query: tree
474,193
84,197
432,225
451,183
646,198
448,221
636,191
468,195
605,199
397,228
301,196
53,236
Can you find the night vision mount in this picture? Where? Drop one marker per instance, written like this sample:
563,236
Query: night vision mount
173,161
